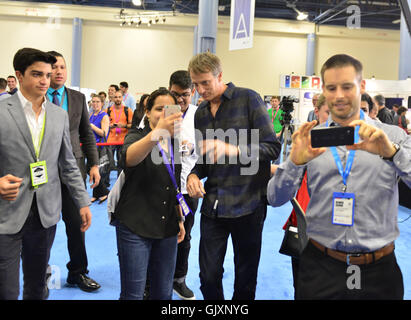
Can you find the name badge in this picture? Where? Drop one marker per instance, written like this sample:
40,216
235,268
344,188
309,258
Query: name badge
38,172
184,206
343,208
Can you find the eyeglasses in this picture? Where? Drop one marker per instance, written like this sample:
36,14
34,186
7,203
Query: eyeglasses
183,95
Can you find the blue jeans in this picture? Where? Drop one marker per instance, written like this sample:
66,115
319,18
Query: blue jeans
139,257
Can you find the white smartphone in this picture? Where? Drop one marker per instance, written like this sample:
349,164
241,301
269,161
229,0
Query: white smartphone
171,109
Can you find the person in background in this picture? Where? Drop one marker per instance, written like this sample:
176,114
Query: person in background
311,114
402,120
384,113
276,114
139,113
99,123
112,89
12,84
120,122
148,219
128,99
3,93
74,102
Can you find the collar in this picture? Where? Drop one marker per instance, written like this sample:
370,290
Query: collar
228,93
60,91
26,104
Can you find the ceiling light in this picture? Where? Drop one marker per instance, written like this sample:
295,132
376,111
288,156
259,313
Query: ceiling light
302,15
137,2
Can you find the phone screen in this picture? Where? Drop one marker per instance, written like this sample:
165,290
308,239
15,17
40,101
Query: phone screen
171,109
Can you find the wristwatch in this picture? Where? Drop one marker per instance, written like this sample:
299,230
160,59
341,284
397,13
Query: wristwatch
397,148
181,219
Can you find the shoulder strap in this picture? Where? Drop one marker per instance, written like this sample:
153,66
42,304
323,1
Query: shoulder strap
126,112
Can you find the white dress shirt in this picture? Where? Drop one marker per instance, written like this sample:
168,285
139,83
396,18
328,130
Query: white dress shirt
35,124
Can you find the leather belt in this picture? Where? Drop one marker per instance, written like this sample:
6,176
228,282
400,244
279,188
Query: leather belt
355,258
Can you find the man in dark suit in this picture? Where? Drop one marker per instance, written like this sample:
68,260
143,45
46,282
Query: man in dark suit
74,103
35,158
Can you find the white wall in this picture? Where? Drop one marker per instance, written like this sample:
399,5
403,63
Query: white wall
146,56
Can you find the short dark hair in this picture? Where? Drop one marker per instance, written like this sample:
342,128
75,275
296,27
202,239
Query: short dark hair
124,84
342,60
12,77
182,79
379,99
114,86
3,84
55,54
366,97
102,92
27,56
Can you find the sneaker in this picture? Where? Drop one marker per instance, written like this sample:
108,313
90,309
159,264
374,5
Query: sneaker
183,291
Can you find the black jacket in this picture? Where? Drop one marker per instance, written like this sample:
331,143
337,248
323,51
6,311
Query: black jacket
147,204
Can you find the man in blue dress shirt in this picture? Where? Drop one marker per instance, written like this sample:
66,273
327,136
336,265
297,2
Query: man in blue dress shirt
353,208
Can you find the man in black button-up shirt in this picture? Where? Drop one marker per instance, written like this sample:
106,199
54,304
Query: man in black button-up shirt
237,175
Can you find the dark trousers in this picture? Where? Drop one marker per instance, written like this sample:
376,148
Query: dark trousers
75,238
33,243
323,277
246,235
184,246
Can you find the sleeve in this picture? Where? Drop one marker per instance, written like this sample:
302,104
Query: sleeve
69,172
199,168
402,160
285,183
264,145
87,136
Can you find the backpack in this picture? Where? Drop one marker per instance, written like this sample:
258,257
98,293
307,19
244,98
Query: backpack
125,112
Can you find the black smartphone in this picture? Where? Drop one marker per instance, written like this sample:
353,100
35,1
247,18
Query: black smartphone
331,137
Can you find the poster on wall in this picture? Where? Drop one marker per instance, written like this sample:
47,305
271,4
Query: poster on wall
241,24
303,88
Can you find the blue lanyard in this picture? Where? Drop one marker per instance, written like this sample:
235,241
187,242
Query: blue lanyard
350,159
170,168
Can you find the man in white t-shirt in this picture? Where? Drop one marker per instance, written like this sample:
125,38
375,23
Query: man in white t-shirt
182,88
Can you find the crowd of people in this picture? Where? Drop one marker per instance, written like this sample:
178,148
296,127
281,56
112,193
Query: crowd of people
162,160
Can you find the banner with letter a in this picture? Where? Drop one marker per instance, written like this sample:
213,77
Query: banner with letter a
241,24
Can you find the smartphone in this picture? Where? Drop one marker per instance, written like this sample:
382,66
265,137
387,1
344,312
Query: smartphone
331,137
171,109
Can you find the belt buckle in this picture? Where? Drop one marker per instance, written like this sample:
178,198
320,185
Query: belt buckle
352,255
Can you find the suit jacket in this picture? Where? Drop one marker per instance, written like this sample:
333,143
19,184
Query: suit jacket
16,154
80,130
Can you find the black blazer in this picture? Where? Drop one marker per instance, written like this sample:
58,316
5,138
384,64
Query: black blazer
80,130
147,204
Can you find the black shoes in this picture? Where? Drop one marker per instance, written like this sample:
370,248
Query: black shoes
84,282
183,291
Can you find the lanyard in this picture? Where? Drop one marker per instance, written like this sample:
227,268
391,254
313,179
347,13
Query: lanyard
350,159
125,97
170,168
37,147
275,114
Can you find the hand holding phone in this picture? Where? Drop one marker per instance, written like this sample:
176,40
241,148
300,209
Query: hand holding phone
171,109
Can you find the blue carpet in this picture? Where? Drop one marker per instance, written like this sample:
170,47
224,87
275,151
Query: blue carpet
274,276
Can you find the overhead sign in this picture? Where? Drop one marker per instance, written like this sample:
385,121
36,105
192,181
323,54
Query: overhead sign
241,24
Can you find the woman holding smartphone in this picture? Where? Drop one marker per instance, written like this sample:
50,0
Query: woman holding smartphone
148,219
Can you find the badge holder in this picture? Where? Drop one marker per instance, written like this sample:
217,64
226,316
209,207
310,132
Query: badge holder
38,172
